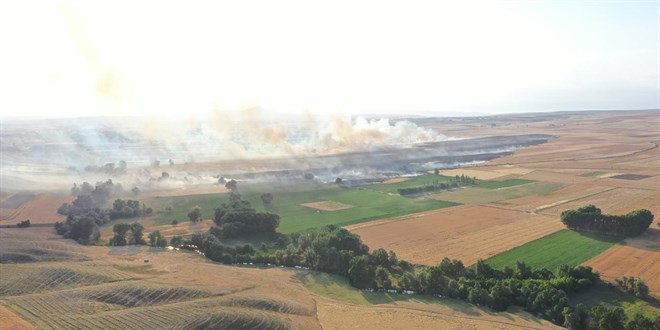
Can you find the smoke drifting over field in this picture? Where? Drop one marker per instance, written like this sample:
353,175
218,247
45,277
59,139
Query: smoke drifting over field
157,153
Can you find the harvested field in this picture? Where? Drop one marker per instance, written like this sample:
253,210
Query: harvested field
373,310
563,195
630,177
638,257
611,201
327,206
476,195
39,209
395,180
474,173
17,200
333,315
426,238
9,320
563,247
548,176
504,183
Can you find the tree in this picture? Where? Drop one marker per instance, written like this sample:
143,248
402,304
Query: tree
176,241
608,319
338,180
382,278
640,322
232,185
436,171
161,242
195,214
360,273
267,199
136,234
135,191
24,224
120,231
154,236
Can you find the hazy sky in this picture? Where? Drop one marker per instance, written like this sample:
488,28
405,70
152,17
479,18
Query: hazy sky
65,58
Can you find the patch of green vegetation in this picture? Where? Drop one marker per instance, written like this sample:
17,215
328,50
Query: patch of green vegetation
563,247
614,298
593,174
339,288
416,181
504,184
476,195
367,205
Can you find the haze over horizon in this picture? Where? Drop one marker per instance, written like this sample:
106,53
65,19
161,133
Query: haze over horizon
90,58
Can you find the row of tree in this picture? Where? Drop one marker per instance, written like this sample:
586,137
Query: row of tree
455,182
336,250
591,219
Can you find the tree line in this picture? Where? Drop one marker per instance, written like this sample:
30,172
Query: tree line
455,182
331,249
591,219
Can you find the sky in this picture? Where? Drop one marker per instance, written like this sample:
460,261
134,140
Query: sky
104,58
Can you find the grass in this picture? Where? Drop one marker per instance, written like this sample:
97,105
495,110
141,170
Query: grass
367,205
614,298
416,181
338,287
593,174
476,195
503,184
563,247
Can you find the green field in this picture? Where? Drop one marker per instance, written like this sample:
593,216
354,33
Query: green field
503,184
367,205
593,174
339,288
563,247
476,195
412,182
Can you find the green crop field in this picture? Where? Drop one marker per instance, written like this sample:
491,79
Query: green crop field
593,174
476,195
366,205
416,181
563,247
504,184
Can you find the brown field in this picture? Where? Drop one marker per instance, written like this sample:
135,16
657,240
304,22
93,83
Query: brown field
639,257
476,195
611,201
468,232
567,194
11,321
255,297
327,206
395,180
487,173
333,315
40,209
188,191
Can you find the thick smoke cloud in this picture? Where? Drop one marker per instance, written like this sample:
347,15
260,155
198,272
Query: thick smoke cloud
58,152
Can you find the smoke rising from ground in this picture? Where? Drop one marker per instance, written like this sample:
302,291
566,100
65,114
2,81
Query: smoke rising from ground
58,152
